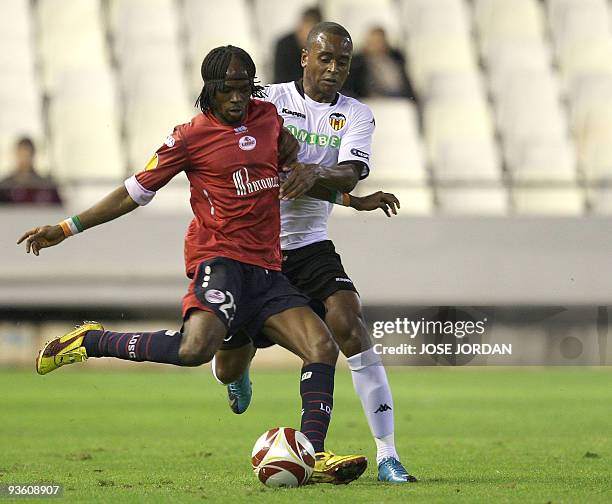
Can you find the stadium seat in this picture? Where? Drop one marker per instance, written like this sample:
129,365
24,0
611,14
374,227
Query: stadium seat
544,161
506,58
466,160
15,22
440,16
455,120
586,96
578,18
84,124
358,16
396,149
548,201
142,21
151,115
585,56
213,16
70,37
449,85
430,54
496,20
486,201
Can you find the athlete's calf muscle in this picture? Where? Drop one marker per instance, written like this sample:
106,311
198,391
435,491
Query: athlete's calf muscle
202,337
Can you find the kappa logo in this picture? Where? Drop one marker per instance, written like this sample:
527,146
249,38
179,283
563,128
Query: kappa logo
382,408
293,113
170,141
306,375
337,121
214,296
247,143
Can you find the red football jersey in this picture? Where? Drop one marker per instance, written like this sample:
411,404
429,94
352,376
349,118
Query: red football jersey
233,173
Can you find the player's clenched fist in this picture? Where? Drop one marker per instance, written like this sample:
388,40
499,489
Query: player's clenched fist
42,237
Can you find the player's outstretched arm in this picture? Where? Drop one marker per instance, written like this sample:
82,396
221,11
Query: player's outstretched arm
116,204
387,202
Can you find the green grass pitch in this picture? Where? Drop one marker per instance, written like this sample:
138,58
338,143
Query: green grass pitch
469,435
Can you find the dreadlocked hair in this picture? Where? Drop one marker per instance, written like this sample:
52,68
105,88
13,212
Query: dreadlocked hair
214,68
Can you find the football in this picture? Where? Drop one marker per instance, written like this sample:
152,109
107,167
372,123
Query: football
283,457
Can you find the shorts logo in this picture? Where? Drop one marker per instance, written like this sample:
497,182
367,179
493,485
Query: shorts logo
337,121
152,164
347,280
361,154
247,143
170,141
214,296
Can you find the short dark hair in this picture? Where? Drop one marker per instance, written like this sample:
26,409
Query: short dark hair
313,13
328,27
214,68
26,142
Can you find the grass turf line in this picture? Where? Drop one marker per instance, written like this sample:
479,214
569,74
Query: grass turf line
469,435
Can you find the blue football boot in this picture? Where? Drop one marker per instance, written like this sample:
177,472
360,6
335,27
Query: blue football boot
239,393
391,469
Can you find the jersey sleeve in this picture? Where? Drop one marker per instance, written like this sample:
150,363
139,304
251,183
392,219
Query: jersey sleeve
357,142
169,160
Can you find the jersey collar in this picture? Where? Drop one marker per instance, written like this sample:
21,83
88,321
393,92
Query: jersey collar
299,85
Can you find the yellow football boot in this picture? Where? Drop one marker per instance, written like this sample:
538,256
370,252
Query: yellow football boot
65,349
338,469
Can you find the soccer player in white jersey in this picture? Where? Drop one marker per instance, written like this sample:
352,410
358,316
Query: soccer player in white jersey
335,136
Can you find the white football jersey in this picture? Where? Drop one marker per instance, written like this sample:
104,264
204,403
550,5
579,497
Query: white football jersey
328,133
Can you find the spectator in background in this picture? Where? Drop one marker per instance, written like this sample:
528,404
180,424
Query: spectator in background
378,70
24,185
288,52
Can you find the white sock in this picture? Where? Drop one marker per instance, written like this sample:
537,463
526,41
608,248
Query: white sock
214,372
372,387
385,447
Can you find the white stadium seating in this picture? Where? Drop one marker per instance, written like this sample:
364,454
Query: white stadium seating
549,201
514,96
396,149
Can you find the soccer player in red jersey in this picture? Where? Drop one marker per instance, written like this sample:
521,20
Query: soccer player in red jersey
231,154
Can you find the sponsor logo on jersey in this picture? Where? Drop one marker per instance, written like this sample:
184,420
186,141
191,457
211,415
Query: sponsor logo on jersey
307,137
170,141
293,113
337,121
214,296
241,129
247,142
152,164
360,153
244,185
